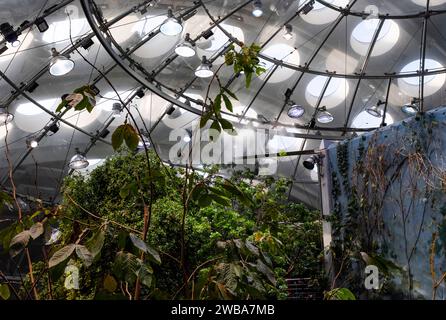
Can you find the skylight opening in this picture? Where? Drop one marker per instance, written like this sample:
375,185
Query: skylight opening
335,93
364,32
365,120
281,52
432,83
321,14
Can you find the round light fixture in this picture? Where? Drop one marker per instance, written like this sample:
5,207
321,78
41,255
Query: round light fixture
324,116
116,110
187,139
5,116
374,111
295,111
410,109
171,26
204,69
32,142
288,35
186,49
310,163
59,64
257,11
78,161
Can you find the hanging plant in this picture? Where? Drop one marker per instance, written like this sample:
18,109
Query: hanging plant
83,98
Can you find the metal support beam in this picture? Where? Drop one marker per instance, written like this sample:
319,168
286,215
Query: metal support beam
423,55
363,69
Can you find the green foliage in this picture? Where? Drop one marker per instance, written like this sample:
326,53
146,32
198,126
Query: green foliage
83,98
240,241
5,294
245,60
126,133
340,294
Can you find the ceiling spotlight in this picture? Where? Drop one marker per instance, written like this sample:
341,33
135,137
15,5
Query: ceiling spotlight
375,110
308,7
140,93
9,34
60,65
32,142
188,138
32,86
295,111
411,108
3,49
5,116
171,26
257,11
207,34
53,128
78,161
104,133
116,110
186,48
204,69
41,24
144,142
170,110
87,43
288,35
311,162
324,116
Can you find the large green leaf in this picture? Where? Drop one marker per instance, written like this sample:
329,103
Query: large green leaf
145,274
110,283
205,118
217,103
36,230
96,243
252,248
5,294
118,137
220,200
138,242
340,294
233,96
126,266
19,242
226,125
228,102
131,137
61,255
84,254
263,268
153,254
